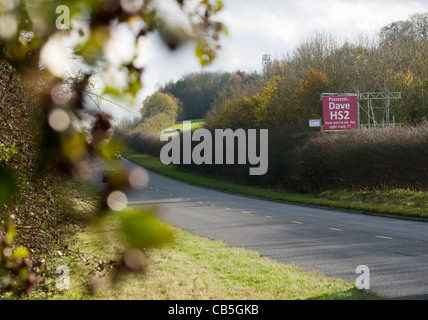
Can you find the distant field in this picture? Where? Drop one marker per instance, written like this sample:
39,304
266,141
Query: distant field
196,123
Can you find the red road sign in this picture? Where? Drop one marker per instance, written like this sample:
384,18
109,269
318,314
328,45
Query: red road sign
340,113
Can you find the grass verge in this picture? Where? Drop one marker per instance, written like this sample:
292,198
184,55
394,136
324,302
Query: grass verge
191,267
399,202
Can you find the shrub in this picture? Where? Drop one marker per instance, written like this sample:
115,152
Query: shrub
144,142
157,123
386,158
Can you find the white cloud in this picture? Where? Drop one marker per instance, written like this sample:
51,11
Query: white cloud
277,27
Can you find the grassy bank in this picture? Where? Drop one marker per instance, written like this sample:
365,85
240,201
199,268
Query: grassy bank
400,202
191,267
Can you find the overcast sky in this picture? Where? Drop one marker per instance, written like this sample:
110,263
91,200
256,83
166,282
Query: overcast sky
274,27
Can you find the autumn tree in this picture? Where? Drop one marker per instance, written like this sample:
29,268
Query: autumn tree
159,112
303,102
197,92
255,111
159,103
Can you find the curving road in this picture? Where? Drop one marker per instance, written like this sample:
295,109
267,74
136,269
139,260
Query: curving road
332,242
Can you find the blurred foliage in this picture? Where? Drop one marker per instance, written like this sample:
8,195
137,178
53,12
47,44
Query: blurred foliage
133,222
49,65
15,273
7,187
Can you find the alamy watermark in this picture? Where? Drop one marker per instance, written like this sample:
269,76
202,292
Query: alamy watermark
363,280
63,20
63,280
223,144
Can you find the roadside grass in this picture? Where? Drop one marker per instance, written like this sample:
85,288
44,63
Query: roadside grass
398,202
192,267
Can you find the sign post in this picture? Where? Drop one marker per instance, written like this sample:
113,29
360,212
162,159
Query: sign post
340,113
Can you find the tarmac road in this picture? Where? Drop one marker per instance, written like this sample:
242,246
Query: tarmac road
331,242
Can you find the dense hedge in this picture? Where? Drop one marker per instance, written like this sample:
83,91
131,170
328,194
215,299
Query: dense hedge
387,158
39,213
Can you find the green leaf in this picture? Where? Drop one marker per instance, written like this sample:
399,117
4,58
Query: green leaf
21,253
112,91
134,83
225,31
201,54
218,6
141,229
10,234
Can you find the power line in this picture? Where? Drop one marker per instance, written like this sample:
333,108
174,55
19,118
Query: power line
108,100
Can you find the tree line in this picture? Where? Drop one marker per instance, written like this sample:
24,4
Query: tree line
289,94
191,97
287,91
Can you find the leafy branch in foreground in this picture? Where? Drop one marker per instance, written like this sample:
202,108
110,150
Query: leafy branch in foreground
59,59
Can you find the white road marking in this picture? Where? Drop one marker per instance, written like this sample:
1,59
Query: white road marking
270,217
246,212
383,237
296,222
335,229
